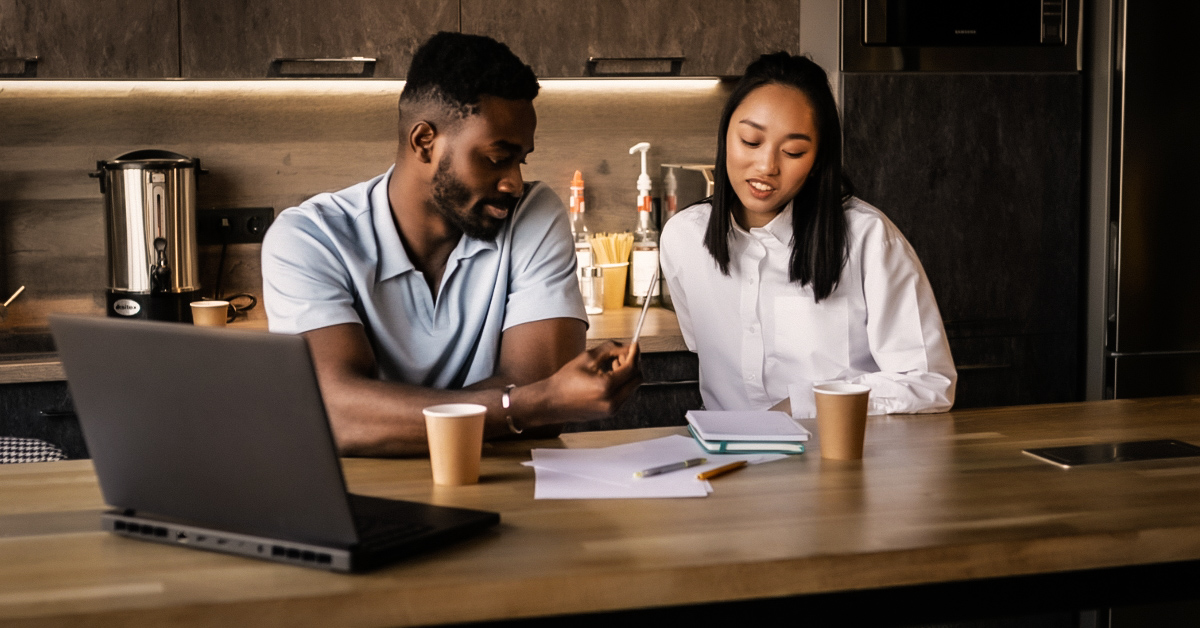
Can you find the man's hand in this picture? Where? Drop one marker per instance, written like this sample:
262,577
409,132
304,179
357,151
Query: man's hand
371,417
592,385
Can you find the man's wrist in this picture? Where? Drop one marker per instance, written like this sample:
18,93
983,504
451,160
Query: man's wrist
506,404
527,407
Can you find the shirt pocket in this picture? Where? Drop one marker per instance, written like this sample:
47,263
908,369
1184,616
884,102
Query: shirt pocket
811,336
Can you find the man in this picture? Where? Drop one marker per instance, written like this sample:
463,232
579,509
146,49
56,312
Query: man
447,279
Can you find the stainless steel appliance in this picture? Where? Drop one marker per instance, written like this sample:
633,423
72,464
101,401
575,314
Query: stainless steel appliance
150,203
957,36
1153,327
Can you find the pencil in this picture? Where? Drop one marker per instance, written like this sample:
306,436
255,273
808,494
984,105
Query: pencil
722,470
637,332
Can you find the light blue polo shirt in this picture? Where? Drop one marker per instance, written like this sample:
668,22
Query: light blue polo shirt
337,258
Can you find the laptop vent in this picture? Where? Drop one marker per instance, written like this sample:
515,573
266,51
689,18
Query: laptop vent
300,556
137,528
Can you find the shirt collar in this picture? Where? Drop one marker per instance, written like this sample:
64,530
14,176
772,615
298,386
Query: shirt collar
393,259
779,228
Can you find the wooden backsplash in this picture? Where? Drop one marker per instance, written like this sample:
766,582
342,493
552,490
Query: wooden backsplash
276,144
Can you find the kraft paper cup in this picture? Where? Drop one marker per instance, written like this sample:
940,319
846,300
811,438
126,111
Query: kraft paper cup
614,285
210,313
455,432
841,419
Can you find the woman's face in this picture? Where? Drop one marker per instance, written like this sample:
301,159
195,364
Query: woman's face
769,151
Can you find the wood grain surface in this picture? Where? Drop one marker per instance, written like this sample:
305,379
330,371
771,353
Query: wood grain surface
937,498
659,333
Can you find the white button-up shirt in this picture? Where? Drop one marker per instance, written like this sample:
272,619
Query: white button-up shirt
761,338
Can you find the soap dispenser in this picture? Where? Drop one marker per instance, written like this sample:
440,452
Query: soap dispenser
643,262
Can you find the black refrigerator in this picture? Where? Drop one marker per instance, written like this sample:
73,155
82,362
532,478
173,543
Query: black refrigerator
963,124
1152,339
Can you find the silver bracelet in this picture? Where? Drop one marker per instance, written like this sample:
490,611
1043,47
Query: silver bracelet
506,401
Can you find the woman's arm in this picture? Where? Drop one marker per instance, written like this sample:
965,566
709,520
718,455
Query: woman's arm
904,329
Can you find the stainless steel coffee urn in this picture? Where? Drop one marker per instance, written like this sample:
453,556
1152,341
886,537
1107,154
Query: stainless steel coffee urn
150,219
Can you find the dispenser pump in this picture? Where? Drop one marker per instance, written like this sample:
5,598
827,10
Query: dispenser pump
643,182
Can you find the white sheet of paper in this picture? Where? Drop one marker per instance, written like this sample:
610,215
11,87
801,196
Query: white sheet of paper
554,485
608,472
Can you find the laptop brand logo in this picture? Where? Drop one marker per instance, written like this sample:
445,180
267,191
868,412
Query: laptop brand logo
126,307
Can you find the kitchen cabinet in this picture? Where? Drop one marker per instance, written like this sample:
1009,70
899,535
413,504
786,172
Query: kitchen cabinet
42,410
982,173
261,38
66,39
713,37
247,39
670,387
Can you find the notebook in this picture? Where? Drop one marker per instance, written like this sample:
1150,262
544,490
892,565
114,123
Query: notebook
217,439
746,431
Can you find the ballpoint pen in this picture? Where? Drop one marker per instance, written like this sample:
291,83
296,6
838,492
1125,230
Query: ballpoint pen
667,468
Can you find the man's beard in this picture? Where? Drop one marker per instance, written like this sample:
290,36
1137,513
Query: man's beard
450,194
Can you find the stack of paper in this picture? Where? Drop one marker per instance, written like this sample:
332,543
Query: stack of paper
608,472
747,431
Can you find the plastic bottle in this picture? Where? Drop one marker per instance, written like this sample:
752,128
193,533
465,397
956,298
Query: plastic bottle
644,259
670,202
670,205
579,230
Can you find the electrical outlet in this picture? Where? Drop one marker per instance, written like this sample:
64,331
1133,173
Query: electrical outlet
235,225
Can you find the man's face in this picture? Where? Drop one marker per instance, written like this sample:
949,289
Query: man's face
478,179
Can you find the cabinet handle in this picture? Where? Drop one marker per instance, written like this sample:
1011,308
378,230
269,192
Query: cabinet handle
55,414
276,69
634,66
28,70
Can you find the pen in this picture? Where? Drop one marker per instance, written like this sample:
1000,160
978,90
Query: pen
722,470
667,468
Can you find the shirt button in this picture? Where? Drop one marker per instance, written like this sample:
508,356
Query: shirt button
750,281
750,378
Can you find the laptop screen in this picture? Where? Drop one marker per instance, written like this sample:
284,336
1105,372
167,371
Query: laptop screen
209,426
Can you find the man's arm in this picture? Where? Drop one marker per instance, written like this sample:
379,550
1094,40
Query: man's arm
533,351
371,417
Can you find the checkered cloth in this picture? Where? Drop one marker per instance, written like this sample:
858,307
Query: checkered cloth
13,450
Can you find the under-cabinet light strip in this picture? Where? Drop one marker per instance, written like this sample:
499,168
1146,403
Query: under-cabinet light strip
324,86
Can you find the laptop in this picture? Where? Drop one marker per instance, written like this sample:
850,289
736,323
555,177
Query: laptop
217,439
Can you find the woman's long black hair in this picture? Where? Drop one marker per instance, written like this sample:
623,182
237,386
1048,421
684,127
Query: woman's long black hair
818,221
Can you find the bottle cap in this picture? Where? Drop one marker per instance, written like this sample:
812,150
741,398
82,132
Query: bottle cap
577,180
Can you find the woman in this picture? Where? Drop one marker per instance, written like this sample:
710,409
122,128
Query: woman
783,278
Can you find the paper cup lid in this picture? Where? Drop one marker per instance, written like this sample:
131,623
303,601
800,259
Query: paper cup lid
451,410
840,388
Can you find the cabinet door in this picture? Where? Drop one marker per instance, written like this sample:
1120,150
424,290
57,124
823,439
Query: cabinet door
982,173
71,39
714,37
247,38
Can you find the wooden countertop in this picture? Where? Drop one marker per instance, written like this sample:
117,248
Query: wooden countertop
660,333
937,498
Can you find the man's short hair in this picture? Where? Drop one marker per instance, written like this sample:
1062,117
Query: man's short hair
455,70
